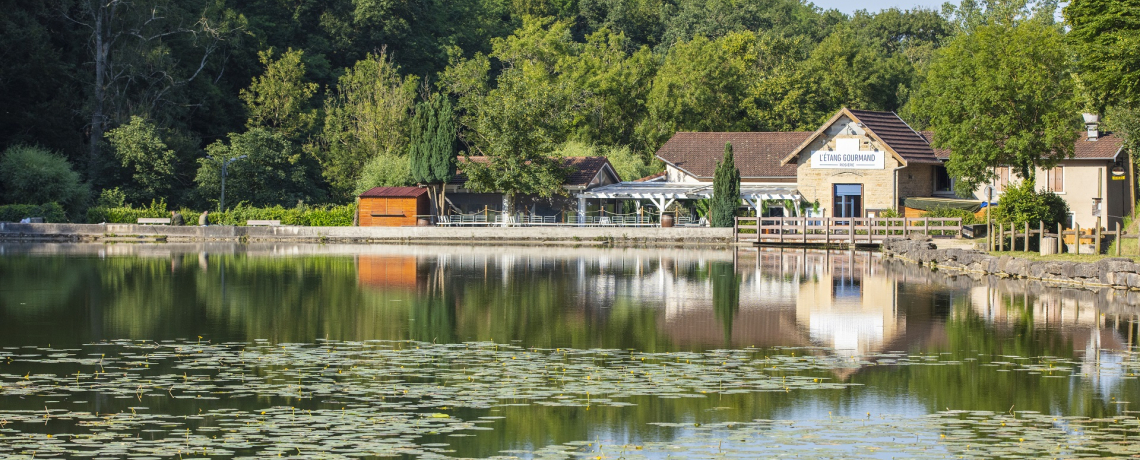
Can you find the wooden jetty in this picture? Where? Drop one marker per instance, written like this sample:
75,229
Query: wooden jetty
839,230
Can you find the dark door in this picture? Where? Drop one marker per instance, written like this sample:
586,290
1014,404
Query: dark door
848,200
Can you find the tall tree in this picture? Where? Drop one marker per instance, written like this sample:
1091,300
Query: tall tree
726,191
273,172
279,99
518,124
143,51
139,147
365,118
1001,95
433,146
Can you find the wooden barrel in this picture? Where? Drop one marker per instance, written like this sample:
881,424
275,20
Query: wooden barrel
666,220
1049,245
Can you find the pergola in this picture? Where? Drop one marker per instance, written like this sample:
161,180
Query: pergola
663,194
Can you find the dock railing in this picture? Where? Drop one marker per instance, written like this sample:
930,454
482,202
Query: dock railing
840,230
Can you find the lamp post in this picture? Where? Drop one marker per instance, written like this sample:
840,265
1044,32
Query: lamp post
225,164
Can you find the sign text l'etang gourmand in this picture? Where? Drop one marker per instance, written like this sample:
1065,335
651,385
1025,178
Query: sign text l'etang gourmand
847,159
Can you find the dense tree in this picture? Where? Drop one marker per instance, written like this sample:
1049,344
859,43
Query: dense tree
366,117
33,175
138,146
1106,35
1001,95
280,99
517,124
726,191
273,172
433,147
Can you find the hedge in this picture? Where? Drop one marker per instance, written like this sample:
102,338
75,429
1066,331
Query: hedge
303,215
51,212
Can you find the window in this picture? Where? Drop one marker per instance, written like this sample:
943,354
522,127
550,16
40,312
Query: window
942,182
848,199
1055,179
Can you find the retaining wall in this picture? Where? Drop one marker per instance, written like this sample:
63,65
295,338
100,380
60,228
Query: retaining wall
448,235
1110,273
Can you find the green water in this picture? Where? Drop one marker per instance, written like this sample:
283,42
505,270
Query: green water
222,351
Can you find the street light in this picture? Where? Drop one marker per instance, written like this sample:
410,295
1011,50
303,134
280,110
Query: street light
224,163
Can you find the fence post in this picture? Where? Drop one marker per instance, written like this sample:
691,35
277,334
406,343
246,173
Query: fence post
1001,238
851,230
1096,243
1119,241
1026,242
1040,234
781,231
926,226
736,229
1060,238
826,230
758,230
1077,237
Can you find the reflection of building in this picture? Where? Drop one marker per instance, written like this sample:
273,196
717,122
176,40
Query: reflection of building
388,272
851,307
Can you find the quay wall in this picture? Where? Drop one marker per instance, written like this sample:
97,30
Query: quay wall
1117,279
444,235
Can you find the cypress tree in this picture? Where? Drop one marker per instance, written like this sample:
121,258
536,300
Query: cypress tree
726,191
432,149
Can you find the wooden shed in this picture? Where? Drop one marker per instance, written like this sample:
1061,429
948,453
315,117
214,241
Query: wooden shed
392,206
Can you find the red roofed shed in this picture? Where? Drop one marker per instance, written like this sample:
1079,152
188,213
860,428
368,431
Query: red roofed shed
392,206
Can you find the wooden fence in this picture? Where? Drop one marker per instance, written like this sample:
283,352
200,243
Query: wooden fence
840,230
1095,236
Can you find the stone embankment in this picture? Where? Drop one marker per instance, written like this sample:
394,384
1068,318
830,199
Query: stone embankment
1115,273
435,235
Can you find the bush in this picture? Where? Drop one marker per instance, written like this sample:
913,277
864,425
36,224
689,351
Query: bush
51,212
1021,203
304,215
33,175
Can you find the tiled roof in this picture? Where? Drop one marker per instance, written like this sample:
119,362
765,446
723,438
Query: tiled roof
755,154
583,169
394,192
650,177
1104,148
899,136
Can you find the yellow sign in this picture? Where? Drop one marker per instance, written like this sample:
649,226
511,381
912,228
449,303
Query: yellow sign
1117,177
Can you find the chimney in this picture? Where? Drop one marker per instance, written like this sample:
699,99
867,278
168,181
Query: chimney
1092,122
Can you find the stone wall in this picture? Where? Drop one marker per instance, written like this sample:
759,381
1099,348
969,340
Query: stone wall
1111,273
445,235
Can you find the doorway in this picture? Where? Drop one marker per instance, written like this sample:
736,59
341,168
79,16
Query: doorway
848,199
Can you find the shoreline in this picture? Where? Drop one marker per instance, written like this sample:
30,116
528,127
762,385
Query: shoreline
561,236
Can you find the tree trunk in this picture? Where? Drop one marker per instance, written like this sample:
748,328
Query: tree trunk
97,110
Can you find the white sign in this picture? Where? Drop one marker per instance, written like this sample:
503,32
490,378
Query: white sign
847,156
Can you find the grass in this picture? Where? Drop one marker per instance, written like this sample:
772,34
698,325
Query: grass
1066,257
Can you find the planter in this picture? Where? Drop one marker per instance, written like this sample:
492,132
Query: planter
423,222
666,220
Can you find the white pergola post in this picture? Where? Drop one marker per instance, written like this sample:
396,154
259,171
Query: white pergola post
581,210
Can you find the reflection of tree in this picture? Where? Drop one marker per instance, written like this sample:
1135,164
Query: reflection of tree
726,295
432,313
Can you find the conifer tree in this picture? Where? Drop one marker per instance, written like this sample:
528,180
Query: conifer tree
432,150
726,191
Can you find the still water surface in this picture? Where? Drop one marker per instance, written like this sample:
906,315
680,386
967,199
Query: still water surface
423,351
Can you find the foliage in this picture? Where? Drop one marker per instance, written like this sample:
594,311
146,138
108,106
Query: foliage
130,214
366,117
1105,35
111,198
51,212
433,148
629,165
384,170
33,175
517,124
726,191
137,145
1001,95
968,218
1021,203
274,171
304,215
279,98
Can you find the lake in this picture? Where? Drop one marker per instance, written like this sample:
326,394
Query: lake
368,351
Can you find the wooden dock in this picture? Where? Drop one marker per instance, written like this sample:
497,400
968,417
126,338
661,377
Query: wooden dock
839,230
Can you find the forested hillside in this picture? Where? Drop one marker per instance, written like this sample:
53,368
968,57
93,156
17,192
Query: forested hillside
143,98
